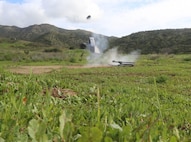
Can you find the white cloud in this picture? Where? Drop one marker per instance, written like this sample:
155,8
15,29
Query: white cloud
71,9
155,15
21,14
109,17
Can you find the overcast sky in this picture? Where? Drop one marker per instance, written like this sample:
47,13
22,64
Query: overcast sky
108,17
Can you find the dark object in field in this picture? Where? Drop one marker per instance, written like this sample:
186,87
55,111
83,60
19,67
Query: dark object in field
121,63
88,17
60,92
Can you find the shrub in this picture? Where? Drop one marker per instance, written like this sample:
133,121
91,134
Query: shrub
53,50
72,60
161,79
187,59
158,79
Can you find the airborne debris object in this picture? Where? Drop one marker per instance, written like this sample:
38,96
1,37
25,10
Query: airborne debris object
88,17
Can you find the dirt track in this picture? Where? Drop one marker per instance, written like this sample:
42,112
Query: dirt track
34,69
89,66
44,69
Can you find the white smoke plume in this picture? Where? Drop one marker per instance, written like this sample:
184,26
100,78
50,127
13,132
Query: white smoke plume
101,42
111,55
114,55
106,57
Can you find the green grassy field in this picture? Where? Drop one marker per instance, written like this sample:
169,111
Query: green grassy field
150,102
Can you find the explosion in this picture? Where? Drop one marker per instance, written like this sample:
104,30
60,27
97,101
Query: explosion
110,56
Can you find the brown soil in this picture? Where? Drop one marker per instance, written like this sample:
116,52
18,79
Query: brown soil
89,66
44,69
34,69
60,93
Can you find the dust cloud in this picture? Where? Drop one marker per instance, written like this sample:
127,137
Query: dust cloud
108,55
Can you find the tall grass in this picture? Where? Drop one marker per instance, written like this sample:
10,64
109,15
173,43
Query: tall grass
148,102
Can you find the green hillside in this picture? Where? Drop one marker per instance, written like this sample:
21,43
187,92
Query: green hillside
47,37
174,41
42,42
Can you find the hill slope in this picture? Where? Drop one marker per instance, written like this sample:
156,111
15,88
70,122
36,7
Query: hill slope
175,41
46,34
158,41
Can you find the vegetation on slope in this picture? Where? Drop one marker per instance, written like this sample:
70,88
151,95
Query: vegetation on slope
176,41
47,35
168,41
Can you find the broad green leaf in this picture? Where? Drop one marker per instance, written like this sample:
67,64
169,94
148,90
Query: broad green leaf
173,139
92,134
41,130
108,139
2,140
176,133
44,138
22,138
63,119
33,128
116,126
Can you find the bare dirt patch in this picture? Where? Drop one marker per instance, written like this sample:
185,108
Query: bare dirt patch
89,66
34,69
60,92
45,69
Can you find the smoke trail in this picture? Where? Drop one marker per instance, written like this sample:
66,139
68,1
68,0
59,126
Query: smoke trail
101,42
95,59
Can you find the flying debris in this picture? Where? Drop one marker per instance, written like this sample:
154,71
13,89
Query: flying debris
88,17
